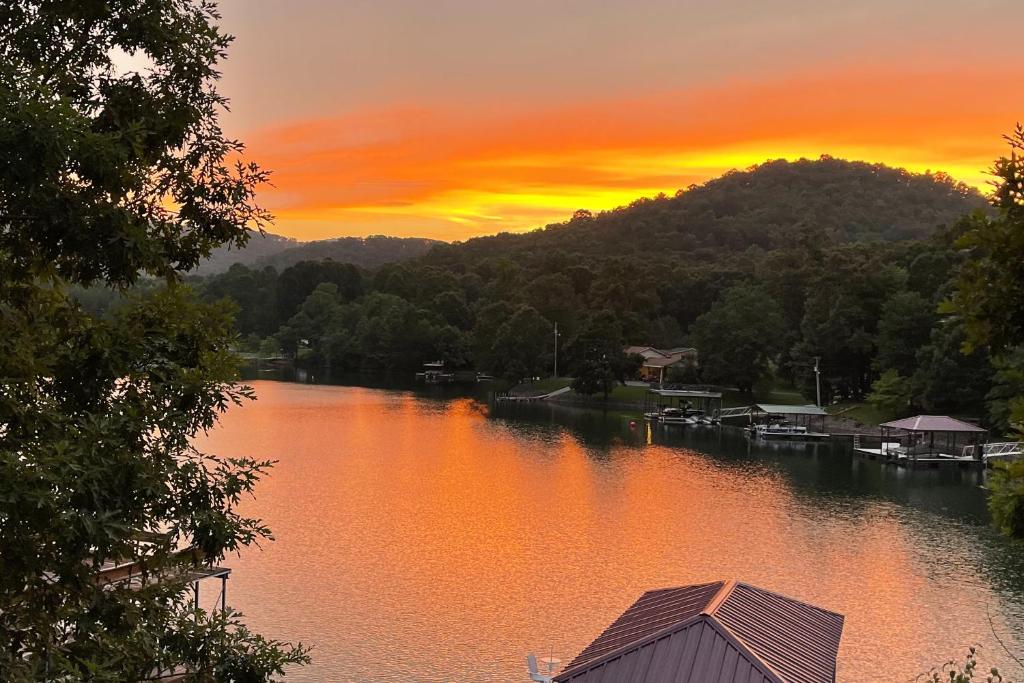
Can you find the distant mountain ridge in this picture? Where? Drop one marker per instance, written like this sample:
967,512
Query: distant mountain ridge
768,206
280,252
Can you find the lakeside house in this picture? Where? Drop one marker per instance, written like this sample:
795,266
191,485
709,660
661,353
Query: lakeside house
656,362
723,631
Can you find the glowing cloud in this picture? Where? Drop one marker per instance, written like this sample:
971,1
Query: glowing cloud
453,171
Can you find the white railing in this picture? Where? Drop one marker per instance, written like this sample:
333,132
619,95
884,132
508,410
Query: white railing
735,412
997,451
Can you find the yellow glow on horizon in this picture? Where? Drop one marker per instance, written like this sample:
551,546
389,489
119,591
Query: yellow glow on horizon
453,173
460,214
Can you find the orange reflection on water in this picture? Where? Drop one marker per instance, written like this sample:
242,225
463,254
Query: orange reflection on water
421,540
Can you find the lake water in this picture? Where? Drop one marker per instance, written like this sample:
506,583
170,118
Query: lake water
430,537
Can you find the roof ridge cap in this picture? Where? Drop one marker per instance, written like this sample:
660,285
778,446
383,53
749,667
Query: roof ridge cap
721,596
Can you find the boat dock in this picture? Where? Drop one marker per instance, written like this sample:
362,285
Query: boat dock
895,455
508,396
926,441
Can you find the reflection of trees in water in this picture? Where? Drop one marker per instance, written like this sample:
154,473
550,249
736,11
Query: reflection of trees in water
819,471
596,431
944,508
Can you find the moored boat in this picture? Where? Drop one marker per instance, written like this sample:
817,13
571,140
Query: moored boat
783,431
671,416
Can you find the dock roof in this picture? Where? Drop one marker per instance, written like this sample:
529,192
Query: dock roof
780,409
933,423
722,631
686,393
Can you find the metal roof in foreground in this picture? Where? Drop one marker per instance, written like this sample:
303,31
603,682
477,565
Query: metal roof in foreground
933,423
724,631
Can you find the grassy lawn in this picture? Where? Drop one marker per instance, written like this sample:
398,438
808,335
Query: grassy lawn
620,394
865,413
780,395
626,394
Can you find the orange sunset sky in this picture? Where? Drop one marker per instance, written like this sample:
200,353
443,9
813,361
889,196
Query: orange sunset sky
456,118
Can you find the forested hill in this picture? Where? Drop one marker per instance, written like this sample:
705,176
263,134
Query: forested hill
763,271
281,252
772,205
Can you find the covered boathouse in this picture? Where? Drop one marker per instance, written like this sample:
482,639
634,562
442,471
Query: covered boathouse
705,400
928,440
725,631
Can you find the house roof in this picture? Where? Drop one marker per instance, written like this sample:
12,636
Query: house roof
778,409
721,631
642,350
649,352
661,361
933,423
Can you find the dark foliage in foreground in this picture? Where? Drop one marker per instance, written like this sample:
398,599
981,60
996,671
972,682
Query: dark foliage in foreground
97,414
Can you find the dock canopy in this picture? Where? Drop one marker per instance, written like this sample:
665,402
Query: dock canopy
724,631
933,423
778,409
696,398
686,393
931,438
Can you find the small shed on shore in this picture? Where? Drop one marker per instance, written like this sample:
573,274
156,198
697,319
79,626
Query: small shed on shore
724,631
931,436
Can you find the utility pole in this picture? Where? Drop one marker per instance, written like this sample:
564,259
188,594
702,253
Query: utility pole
556,350
817,379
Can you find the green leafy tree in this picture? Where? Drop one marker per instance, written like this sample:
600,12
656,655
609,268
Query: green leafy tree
523,346
391,332
603,366
269,348
554,297
990,284
253,291
598,359
665,333
890,392
104,177
314,316
955,672
489,318
738,338
945,380
990,298
841,318
1006,502
904,327
297,282
451,306
1006,396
